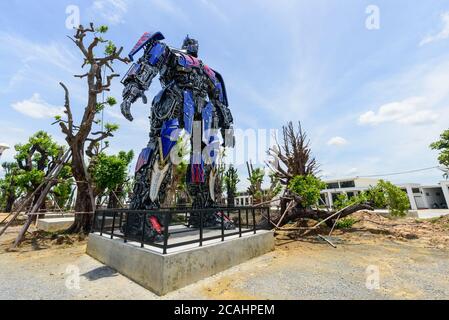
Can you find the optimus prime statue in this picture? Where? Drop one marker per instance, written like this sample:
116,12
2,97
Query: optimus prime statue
193,100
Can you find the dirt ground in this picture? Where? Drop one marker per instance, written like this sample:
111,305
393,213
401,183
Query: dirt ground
378,258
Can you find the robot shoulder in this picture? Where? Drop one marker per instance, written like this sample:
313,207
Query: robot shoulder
143,41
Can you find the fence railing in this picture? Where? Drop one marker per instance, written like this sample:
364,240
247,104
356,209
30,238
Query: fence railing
121,223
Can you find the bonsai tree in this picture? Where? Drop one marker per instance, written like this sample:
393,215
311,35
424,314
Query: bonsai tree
9,191
35,160
77,135
110,174
292,159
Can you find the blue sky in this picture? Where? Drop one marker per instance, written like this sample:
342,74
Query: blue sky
371,100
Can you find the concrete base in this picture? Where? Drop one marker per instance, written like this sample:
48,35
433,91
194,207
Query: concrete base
55,224
165,273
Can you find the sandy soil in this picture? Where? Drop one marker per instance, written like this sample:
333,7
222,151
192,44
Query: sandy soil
409,268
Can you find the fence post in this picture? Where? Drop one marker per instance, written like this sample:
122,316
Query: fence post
222,227
269,217
254,220
201,228
240,223
95,222
166,226
144,221
102,223
113,225
125,235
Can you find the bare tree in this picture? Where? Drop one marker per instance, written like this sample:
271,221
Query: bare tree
77,135
294,157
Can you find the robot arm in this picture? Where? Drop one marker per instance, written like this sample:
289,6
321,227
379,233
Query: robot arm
225,118
139,77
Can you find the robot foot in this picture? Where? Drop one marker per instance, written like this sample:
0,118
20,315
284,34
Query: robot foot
213,221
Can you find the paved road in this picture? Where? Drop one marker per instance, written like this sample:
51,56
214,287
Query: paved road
294,271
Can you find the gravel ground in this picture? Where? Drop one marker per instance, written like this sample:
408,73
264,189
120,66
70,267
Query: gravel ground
296,270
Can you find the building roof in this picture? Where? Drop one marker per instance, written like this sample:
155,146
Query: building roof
348,179
4,146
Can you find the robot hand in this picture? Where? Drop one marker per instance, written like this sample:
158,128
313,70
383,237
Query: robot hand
130,94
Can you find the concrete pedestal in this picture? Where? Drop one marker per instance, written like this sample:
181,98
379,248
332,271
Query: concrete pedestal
165,273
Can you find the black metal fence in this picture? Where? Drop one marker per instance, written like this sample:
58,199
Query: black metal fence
113,223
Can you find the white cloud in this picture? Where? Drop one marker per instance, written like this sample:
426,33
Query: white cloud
337,141
173,9
441,35
210,5
37,108
31,53
111,10
411,111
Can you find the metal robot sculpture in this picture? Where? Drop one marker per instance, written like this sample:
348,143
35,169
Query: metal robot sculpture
193,100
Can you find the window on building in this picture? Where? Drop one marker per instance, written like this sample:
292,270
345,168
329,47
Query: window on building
347,184
333,185
334,197
416,190
438,194
350,195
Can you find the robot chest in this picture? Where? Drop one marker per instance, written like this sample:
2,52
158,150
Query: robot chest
189,63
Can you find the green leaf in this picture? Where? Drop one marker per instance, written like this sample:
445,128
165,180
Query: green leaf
111,127
102,29
110,48
111,101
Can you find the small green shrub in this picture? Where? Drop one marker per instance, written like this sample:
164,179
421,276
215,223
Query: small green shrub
308,188
345,223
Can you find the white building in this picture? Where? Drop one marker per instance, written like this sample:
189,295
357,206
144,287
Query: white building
3,147
420,196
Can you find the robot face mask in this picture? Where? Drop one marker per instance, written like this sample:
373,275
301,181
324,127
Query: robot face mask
191,46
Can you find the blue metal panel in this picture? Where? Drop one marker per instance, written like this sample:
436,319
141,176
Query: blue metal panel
156,53
144,158
207,121
213,148
147,37
169,136
189,111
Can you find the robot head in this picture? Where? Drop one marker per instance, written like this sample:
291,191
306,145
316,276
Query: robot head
191,46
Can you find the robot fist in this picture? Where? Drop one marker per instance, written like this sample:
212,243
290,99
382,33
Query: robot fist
126,110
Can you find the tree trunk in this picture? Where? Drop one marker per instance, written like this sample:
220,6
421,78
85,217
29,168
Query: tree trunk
300,213
10,202
83,204
231,199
